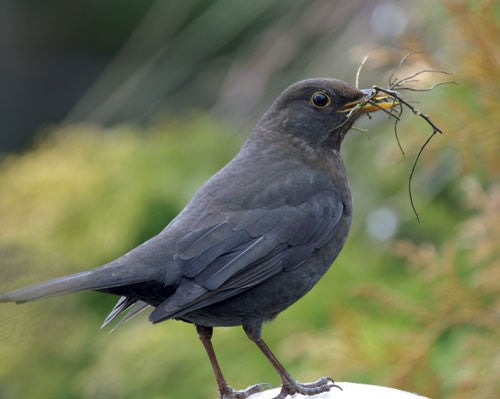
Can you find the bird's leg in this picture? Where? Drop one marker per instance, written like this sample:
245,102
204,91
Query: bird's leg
290,385
226,392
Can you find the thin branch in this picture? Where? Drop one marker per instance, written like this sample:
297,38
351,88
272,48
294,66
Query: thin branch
400,65
414,166
406,81
396,131
397,96
358,72
402,88
397,83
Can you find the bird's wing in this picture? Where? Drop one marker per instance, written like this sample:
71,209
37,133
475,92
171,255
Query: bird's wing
227,253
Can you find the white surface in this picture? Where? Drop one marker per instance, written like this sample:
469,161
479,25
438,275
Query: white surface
349,391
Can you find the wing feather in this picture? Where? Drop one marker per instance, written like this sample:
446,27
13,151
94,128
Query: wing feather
244,248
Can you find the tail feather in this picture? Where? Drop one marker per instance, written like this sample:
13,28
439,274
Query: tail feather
137,308
103,277
133,310
121,306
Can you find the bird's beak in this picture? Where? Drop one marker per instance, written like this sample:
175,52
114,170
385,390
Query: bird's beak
370,102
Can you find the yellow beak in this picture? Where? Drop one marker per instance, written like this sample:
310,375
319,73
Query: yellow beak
370,103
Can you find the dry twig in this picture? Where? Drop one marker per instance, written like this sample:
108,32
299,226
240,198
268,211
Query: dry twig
393,92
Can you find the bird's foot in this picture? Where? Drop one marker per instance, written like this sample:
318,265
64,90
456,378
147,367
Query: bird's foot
291,387
229,393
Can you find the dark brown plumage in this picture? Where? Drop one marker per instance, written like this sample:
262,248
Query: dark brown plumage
254,239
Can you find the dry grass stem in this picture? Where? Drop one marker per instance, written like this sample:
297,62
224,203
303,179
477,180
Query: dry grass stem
395,86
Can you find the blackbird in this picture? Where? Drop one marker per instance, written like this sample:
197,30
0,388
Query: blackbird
256,237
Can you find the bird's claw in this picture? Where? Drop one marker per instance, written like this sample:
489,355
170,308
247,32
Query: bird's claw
230,393
292,387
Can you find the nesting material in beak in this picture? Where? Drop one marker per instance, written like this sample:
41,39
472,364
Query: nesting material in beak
371,102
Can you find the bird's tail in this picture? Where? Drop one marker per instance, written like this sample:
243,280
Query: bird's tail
100,278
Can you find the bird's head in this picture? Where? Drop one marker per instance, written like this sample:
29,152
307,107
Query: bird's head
321,111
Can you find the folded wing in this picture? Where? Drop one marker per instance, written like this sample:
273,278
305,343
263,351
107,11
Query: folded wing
227,253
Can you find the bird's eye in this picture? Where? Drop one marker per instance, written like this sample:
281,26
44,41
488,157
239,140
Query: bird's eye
320,99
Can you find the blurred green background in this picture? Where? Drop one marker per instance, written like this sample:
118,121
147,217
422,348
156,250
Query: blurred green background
114,113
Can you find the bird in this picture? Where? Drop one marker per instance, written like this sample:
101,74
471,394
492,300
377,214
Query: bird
255,238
